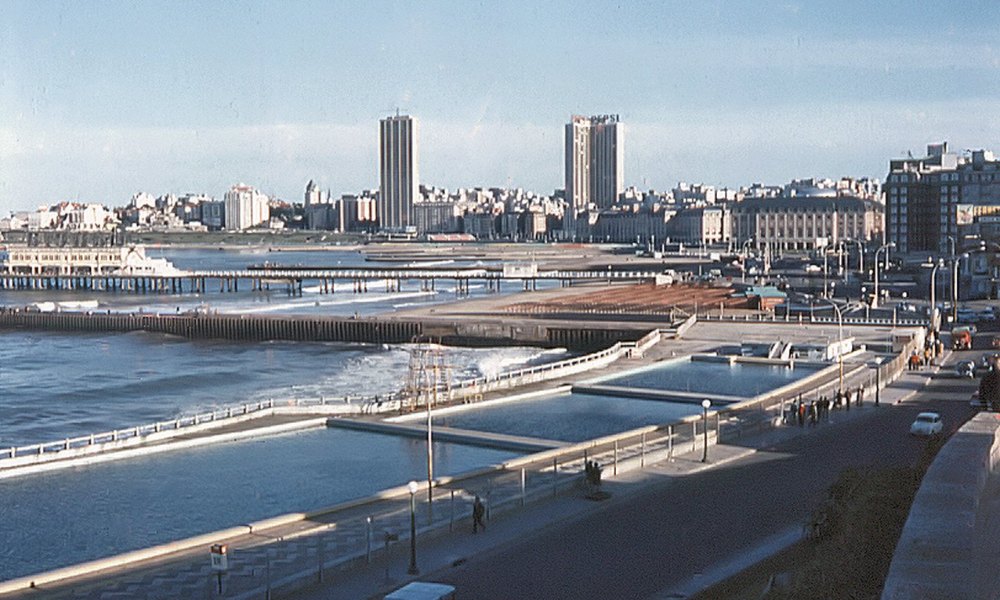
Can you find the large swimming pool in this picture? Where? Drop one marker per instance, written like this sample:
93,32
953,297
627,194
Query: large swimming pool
570,417
73,515
738,379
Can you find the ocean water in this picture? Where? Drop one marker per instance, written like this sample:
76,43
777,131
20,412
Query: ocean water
57,385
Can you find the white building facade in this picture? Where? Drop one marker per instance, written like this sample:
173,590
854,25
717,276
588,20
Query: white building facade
245,207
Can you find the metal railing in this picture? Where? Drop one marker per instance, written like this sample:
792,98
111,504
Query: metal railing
135,435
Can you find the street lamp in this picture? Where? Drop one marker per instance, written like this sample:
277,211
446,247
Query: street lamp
413,570
840,340
878,383
934,269
704,425
883,247
861,256
954,284
743,255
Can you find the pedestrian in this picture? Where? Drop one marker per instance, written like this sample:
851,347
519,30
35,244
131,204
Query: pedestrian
859,395
927,357
989,387
847,399
802,413
812,414
478,511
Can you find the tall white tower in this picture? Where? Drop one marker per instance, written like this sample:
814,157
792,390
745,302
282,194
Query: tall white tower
399,176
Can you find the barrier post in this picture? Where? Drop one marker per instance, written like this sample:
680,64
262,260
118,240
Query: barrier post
642,451
522,486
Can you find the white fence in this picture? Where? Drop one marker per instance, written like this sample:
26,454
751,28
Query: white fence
129,437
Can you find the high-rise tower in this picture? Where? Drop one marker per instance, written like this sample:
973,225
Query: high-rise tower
594,161
399,179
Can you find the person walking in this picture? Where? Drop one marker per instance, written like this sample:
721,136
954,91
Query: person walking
478,511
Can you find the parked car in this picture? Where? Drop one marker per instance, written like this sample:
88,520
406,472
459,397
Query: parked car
967,316
965,368
927,424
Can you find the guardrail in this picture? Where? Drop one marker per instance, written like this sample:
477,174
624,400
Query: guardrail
123,437
770,318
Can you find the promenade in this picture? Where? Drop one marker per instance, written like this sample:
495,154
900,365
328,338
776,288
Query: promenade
348,552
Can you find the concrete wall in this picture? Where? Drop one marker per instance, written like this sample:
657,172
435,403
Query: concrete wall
948,548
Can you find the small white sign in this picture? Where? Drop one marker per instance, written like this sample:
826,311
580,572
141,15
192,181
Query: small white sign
220,557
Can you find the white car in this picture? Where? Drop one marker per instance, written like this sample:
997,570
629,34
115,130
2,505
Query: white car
927,424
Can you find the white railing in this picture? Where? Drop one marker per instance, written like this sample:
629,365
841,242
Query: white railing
769,318
135,435
132,434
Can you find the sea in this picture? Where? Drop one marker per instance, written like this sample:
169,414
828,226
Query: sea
57,385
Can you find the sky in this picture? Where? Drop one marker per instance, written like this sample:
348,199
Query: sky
99,100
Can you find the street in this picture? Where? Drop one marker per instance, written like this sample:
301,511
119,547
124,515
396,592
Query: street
647,543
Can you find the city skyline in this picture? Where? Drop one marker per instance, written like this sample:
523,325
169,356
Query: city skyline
103,101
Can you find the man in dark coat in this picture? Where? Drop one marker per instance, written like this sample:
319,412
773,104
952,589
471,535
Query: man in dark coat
989,387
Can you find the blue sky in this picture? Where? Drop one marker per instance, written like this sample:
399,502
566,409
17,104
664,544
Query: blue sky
99,100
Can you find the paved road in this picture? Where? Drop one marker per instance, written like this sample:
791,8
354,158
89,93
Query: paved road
656,541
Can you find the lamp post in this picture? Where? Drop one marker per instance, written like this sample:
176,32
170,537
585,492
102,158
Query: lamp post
878,383
954,284
952,246
934,270
861,256
840,340
883,247
704,425
413,570
743,255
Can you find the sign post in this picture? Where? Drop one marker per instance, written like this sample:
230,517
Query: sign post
220,561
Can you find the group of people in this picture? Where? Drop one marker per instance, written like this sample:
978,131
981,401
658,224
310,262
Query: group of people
815,411
933,348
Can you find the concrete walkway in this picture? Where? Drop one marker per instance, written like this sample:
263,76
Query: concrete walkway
282,558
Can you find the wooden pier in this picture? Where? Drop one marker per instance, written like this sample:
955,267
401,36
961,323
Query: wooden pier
293,279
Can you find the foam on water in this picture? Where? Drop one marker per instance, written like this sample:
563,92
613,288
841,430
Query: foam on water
70,385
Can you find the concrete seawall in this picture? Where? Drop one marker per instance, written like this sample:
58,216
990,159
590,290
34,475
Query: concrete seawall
461,332
949,542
